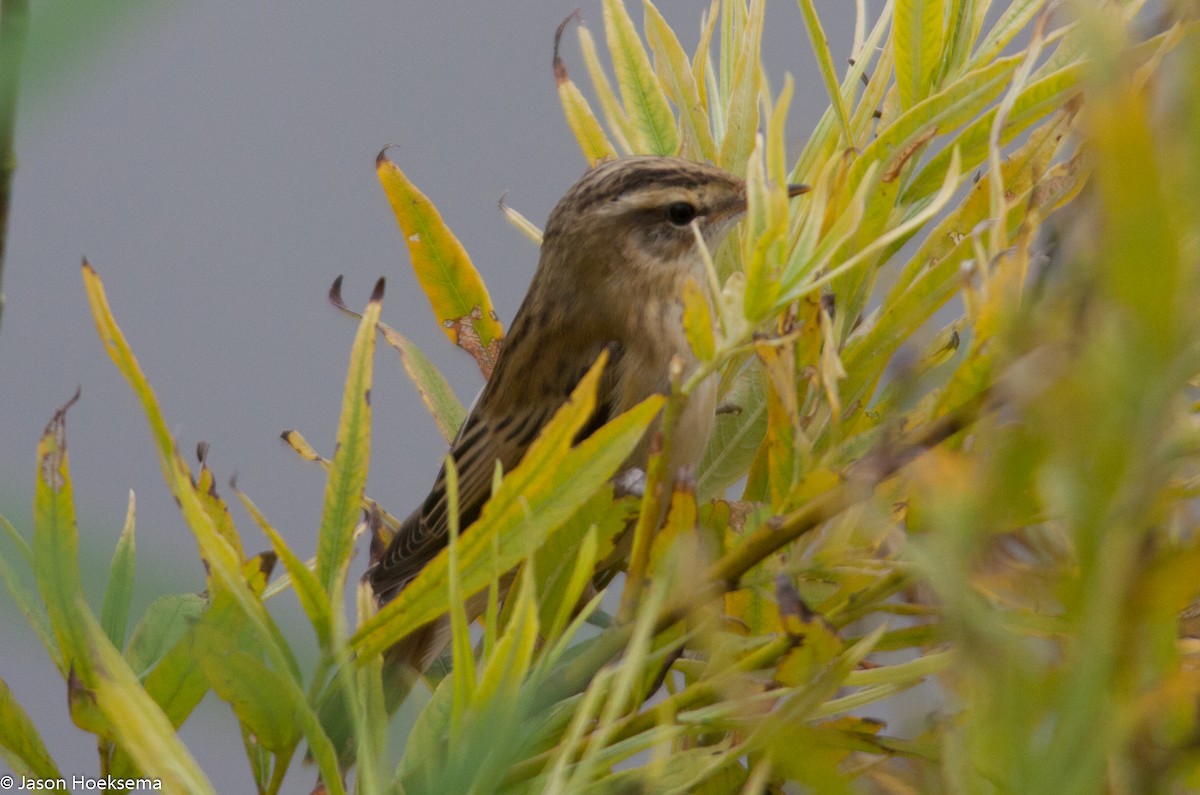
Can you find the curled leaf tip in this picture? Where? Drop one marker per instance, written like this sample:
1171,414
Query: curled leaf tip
286,434
382,157
233,486
87,266
501,203
797,190
335,293
560,69
377,293
202,452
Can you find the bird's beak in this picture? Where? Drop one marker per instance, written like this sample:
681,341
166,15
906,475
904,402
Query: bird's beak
796,190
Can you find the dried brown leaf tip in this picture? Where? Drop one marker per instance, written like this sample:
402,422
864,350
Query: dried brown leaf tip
560,69
55,438
468,339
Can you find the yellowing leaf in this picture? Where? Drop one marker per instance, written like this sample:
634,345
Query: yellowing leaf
698,321
457,294
582,121
919,35
549,484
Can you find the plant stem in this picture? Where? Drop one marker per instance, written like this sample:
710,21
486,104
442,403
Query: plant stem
14,25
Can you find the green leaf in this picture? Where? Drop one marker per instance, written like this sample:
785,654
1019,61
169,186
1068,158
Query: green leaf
675,73
549,484
919,37
448,413
309,590
820,46
741,107
348,471
166,620
455,290
619,125
141,727
34,613
259,697
224,567
642,95
117,596
21,742
56,545
736,435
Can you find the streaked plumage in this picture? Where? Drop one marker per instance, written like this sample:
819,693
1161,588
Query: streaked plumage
616,253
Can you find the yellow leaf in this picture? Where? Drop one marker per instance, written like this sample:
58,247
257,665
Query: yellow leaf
459,298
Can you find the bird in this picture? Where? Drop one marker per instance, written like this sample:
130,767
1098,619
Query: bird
616,253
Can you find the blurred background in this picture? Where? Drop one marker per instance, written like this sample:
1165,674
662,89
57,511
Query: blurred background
215,163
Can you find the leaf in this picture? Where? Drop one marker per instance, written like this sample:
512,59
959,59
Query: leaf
348,471
580,119
448,413
741,108
736,434
225,572
309,590
820,46
547,486
166,620
919,37
56,545
34,613
675,74
619,125
24,748
457,294
698,321
141,727
642,95
117,596
259,697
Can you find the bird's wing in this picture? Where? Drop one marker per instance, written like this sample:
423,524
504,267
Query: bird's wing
481,442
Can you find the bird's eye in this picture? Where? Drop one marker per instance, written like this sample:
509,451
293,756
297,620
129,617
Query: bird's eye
680,213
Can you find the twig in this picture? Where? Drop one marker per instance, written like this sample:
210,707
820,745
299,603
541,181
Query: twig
14,24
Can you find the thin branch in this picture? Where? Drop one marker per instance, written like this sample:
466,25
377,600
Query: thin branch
14,24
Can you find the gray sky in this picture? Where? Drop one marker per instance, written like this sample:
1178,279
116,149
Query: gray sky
214,161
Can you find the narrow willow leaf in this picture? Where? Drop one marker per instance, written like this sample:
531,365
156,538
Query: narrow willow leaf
698,321
675,73
736,436
309,590
223,565
1035,102
166,620
954,105
117,596
142,728
460,637
348,472
177,683
448,413
523,224
580,119
820,47
642,95
56,545
535,498
34,613
741,107
1013,21
784,456
619,125
259,697
919,38
455,290
215,505
22,743
701,64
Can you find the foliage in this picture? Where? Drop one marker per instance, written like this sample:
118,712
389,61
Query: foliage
961,431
